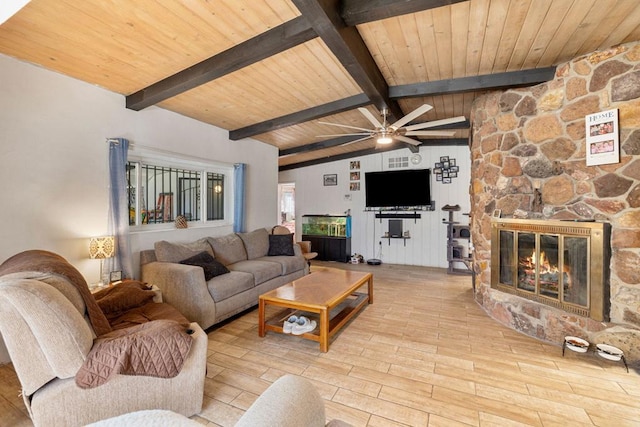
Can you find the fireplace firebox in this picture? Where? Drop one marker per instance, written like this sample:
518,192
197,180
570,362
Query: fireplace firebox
564,264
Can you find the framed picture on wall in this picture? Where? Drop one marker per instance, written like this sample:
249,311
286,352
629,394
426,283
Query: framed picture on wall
330,179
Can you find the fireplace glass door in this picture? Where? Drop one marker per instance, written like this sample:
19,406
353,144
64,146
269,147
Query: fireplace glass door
546,265
563,264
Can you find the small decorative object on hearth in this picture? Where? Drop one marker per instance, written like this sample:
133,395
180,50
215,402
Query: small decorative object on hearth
181,221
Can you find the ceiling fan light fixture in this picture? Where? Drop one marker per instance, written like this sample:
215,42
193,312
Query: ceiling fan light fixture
384,138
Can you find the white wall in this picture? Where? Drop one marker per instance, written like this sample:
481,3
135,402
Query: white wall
53,163
427,246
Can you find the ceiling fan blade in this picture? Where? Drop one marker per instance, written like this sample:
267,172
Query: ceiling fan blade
431,133
355,140
407,140
345,126
344,134
436,123
374,121
412,115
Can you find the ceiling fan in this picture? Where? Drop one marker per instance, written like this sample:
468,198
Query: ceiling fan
385,133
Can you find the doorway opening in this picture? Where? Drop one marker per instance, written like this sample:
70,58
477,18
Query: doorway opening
287,205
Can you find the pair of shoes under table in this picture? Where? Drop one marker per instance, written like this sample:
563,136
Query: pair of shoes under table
298,325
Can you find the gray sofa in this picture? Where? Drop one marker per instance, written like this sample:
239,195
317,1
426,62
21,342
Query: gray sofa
252,272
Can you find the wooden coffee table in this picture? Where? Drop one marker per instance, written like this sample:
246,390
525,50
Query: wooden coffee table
319,292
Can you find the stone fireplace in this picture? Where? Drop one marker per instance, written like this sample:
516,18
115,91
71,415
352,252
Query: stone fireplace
528,164
563,264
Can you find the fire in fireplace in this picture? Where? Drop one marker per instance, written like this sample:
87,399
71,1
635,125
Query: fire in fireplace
558,263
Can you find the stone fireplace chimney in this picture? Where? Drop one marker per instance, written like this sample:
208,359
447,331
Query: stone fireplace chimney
529,162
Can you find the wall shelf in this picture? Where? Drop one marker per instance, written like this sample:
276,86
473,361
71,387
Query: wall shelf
404,238
413,216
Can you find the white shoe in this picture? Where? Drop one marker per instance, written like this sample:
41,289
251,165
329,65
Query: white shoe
303,325
287,327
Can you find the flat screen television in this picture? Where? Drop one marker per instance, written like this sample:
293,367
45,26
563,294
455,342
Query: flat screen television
397,189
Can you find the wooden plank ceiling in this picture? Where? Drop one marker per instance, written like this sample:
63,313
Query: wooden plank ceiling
272,69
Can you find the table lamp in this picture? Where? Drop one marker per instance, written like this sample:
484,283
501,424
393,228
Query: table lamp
101,248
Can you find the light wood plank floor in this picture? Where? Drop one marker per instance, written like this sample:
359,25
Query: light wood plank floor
424,354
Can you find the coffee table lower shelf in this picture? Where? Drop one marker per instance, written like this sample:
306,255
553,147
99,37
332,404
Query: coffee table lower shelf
329,321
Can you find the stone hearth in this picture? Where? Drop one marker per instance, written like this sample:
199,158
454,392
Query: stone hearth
529,161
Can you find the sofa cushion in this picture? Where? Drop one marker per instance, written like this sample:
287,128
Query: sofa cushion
256,243
280,244
228,285
176,252
261,270
289,264
228,249
211,267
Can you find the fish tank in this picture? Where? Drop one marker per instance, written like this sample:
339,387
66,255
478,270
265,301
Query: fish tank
326,225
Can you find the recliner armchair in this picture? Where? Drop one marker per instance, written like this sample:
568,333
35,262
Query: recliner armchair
45,327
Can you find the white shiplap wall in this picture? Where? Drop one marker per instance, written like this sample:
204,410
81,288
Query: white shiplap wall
427,246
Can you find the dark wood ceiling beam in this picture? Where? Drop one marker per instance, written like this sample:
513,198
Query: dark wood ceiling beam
328,143
431,142
320,145
318,112
470,84
324,110
338,157
347,45
356,12
466,124
269,43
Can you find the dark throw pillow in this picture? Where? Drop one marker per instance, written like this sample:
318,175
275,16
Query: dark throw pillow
280,244
211,267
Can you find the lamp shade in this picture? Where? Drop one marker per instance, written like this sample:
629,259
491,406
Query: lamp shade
102,247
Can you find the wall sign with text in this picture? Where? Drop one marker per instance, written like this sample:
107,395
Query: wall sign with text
603,140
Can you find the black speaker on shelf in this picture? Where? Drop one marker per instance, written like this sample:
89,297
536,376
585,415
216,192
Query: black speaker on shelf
395,227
